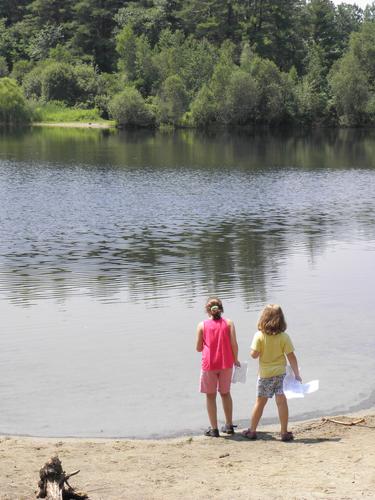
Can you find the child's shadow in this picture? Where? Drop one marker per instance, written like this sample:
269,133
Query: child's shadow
316,440
269,436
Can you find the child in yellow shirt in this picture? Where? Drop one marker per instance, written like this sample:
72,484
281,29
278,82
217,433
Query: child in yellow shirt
272,346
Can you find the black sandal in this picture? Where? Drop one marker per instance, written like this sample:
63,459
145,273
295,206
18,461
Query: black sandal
228,429
214,433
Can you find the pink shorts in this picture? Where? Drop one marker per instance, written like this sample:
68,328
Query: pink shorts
214,380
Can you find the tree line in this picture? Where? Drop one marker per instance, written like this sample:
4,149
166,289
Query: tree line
190,62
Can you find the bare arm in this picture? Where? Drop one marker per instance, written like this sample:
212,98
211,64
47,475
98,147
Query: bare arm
254,354
294,365
233,342
199,343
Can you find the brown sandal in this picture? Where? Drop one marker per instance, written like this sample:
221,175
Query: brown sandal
288,436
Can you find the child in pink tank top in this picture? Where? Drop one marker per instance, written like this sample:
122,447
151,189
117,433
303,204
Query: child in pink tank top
216,340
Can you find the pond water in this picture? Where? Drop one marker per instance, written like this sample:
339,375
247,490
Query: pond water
112,241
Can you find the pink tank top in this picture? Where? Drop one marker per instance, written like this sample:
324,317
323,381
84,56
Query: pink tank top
217,350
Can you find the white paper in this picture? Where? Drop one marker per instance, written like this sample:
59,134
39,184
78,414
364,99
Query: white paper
294,389
311,386
239,373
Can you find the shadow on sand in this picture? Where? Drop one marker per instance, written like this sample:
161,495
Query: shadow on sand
270,436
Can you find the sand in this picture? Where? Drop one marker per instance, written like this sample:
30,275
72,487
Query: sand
104,125
326,460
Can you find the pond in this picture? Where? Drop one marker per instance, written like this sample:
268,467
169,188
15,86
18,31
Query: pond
112,241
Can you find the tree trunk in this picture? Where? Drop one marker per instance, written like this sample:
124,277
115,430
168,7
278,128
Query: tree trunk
53,480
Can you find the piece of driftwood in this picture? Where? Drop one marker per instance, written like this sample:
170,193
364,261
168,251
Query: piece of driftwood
53,484
335,421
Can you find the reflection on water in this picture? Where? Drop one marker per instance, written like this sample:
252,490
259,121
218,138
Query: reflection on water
143,212
111,241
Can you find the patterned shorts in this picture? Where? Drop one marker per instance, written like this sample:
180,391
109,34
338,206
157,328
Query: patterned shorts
267,387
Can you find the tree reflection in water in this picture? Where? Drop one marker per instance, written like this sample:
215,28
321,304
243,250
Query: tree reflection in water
98,212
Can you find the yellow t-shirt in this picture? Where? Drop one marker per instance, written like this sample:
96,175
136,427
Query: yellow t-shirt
272,349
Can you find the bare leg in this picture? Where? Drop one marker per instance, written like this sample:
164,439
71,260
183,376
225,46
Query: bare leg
282,407
211,409
260,403
227,407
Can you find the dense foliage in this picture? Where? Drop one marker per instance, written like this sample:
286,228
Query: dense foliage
13,106
195,62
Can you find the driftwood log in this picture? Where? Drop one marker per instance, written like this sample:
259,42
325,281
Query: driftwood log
336,421
53,484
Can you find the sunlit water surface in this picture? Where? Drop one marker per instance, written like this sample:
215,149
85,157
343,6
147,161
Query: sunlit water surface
111,242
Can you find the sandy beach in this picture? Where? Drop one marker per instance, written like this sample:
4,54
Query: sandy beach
327,460
104,125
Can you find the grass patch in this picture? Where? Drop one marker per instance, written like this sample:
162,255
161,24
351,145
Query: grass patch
56,112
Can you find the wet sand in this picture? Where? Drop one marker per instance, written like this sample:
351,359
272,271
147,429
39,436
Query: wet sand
326,460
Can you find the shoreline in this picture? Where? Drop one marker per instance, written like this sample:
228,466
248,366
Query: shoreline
365,406
98,125
326,460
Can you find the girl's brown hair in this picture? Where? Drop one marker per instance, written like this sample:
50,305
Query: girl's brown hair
272,320
211,302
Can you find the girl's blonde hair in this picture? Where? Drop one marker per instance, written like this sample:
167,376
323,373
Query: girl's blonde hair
271,320
212,302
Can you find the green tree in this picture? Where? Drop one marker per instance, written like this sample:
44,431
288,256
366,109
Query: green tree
59,83
311,104
274,91
32,83
109,84
173,100
197,63
362,46
352,79
6,42
128,108
87,84
147,17
242,98
350,90
247,57
4,70
323,29
211,19
13,106
204,108
13,10
146,70
126,46
136,59
349,19
169,53
193,60
220,81
18,37
20,69
63,53
92,30
275,29
44,40
312,91
369,12
51,12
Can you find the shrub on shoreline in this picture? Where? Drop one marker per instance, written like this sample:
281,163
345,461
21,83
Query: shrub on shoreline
13,106
129,109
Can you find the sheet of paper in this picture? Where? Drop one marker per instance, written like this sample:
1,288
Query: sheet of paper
294,389
311,386
240,373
